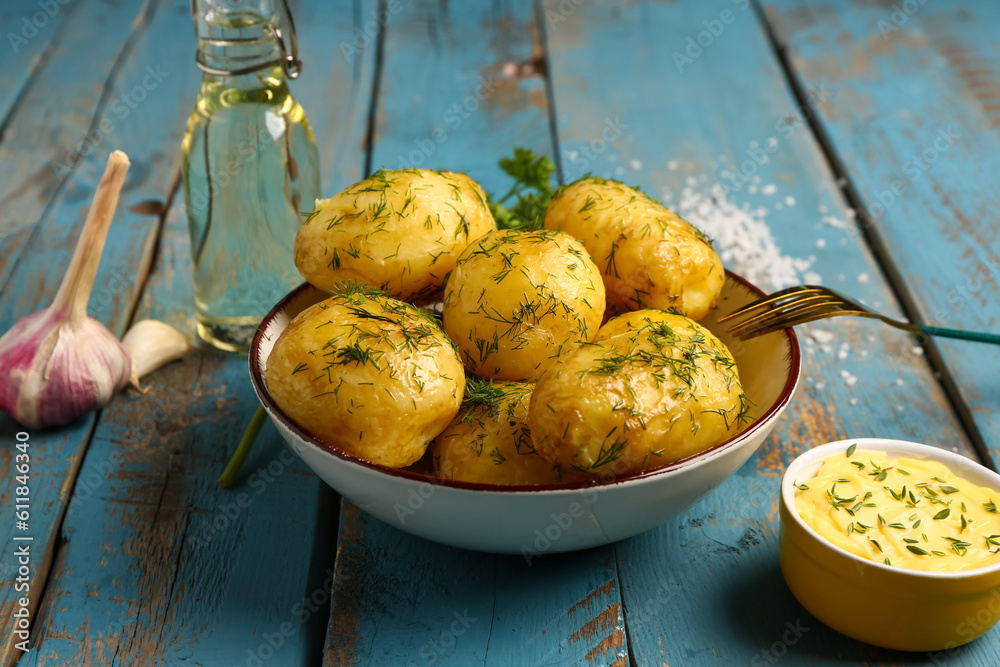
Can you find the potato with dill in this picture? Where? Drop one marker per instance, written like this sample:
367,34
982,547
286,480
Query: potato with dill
651,389
649,256
489,442
517,300
399,231
368,374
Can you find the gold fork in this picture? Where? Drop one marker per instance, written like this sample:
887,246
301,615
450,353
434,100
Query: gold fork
806,303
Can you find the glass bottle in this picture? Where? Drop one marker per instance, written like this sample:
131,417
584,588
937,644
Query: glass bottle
250,167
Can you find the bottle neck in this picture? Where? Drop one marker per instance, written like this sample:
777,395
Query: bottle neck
237,41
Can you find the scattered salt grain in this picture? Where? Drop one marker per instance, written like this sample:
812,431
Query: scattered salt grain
899,382
822,208
820,386
752,189
741,236
635,164
862,278
899,408
849,379
820,335
789,201
853,401
820,243
619,171
772,142
917,350
672,165
812,278
769,189
842,352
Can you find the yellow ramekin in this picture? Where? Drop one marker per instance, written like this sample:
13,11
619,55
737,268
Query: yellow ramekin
886,606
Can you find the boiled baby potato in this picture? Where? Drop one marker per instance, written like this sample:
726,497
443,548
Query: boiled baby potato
652,388
648,255
517,300
488,441
399,231
368,374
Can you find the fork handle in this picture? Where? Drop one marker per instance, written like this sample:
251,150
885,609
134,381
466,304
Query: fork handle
963,335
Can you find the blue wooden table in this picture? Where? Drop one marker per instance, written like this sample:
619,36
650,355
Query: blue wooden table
850,143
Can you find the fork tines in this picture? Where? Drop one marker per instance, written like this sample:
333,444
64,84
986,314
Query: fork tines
787,308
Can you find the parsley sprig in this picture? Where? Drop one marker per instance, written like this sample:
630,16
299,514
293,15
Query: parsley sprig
532,189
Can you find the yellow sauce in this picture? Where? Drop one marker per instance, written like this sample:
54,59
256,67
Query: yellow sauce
905,513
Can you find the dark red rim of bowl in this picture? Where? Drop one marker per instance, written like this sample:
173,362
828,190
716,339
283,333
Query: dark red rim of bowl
265,398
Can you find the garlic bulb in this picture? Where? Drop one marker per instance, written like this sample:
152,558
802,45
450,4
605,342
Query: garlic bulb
151,344
59,363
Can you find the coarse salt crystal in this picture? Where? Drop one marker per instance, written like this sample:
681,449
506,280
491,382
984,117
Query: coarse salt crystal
917,350
769,189
741,236
635,164
820,243
820,335
853,401
789,201
862,278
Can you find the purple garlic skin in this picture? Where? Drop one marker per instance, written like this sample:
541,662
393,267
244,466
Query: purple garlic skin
59,363
57,371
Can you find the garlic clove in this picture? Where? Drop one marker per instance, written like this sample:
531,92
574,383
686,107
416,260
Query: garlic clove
58,363
58,371
151,344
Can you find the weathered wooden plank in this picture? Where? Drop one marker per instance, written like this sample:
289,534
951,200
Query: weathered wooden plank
30,29
916,129
705,588
460,88
158,564
54,218
67,119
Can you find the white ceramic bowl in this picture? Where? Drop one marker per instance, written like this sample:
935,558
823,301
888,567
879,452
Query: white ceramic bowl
532,520
891,607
